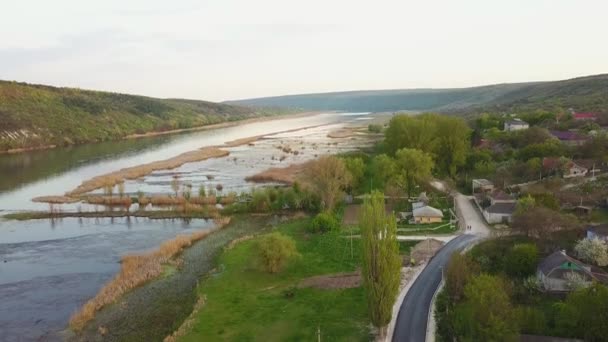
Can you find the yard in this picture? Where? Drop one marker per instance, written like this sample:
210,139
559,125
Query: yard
246,304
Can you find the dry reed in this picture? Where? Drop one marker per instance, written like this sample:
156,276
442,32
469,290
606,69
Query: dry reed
286,175
136,270
113,178
55,199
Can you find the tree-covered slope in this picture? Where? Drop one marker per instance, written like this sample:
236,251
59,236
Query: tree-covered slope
37,115
585,93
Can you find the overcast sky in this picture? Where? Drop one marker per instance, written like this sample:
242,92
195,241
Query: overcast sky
229,49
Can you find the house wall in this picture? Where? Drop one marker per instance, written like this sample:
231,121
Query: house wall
575,172
592,235
427,219
497,218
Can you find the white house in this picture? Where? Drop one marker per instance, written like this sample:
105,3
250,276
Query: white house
515,125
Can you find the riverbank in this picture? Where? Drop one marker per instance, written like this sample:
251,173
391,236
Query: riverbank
154,310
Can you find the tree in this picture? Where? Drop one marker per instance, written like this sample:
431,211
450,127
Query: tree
356,168
541,221
382,170
460,270
413,166
381,263
407,131
487,313
524,204
594,251
324,222
274,250
329,177
521,260
584,314
452,143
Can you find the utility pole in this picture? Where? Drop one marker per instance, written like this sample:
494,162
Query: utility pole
318,334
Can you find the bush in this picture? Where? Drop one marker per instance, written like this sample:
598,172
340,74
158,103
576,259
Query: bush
324,222
374,128
274,250
521,260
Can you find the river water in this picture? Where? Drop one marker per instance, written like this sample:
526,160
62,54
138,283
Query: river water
49,268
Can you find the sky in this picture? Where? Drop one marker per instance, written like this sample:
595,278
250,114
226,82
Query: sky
232,49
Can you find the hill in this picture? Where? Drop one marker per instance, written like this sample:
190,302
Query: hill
584,93
37,115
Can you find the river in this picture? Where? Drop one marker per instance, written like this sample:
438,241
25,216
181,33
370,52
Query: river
49,268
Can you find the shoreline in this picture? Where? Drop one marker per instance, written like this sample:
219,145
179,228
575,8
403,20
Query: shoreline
150,134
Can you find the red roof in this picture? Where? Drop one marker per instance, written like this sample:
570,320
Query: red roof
580,116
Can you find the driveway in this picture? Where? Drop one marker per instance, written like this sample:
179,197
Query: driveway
413,314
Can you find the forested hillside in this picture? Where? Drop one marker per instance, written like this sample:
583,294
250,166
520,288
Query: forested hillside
583,94
37,115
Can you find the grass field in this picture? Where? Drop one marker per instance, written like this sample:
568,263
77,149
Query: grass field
246,304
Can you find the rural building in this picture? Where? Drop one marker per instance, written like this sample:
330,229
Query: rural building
553,272
567,168
515,125
427,214
569,137
499,213
496,207
483,185
598,232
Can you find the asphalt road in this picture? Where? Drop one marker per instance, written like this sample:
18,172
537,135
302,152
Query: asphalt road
413,315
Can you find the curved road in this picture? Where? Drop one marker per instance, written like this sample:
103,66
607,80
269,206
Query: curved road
413,314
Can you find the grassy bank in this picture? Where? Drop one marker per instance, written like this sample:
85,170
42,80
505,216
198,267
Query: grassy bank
246,304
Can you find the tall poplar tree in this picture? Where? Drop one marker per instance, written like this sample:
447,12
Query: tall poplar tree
381,261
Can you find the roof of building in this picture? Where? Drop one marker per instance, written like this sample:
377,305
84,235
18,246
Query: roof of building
517,122
501,208
585,115
482,182
600,229
500,195
556,259
427,211
567,135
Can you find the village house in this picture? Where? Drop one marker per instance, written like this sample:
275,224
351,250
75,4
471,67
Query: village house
496,207
598,232
569,137
515,125
565,167
554,271
427,214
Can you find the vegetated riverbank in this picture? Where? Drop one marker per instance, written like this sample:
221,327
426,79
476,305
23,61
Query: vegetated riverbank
244,303
154,310
24,128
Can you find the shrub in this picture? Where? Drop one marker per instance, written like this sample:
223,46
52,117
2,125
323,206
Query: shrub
374,128
521,260
274,250
593,250
324,222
